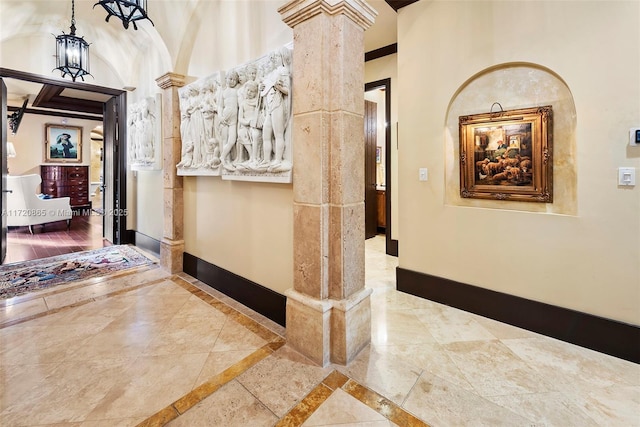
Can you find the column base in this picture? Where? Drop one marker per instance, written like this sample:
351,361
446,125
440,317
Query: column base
350,326
308,326
328,331
171,255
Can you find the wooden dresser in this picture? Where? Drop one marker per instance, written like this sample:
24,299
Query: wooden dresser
67,181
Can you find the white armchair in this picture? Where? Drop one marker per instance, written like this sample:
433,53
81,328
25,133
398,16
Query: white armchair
25,208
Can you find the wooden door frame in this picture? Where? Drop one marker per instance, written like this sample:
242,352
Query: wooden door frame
391,244
370,170
120,236
3,173
117,119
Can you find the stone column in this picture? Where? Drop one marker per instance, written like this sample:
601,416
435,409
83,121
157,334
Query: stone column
172,244
328,309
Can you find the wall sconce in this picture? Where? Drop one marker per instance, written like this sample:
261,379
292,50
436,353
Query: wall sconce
128,11
72,52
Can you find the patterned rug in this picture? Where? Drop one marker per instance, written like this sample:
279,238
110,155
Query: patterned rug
19,278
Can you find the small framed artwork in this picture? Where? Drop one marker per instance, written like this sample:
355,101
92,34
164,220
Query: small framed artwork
378,154
63,144
507,155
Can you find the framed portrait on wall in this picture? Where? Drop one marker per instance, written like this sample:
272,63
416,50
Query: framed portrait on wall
507,155
63,144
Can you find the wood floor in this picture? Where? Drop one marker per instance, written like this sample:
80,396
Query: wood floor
54,239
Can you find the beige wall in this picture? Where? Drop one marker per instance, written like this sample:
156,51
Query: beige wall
146,188
243,227
581,253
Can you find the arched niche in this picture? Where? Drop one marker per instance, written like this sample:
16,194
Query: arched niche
514,86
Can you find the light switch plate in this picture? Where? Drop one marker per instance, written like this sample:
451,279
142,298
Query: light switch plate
423,175
626,176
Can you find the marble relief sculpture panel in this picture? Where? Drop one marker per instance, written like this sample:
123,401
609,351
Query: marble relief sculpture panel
144,137
199,120
243,122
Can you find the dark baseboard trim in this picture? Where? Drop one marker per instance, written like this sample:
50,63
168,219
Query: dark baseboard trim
392,247
144,242
129,237
258,298
597,333
379,53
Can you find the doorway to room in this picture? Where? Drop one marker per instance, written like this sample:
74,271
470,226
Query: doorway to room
68,101
378,179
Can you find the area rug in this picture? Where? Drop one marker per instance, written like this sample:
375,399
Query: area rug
20,278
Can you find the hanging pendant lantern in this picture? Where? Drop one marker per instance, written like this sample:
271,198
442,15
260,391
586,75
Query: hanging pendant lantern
128,11
72,52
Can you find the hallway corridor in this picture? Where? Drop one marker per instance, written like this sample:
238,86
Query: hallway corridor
144,347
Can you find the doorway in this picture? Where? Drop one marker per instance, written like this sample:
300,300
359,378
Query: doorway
371,218
380,91
73,100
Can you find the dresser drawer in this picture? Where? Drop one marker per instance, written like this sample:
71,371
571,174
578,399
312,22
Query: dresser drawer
66,181
54,174
77,182
76,171
78,202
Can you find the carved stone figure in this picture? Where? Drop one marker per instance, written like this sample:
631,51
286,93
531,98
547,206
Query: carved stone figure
275,92
197,132
229,119
210,115
146,131
143,134
249,134
186,160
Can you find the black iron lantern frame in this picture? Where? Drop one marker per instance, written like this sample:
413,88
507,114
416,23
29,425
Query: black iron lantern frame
72,52
128,11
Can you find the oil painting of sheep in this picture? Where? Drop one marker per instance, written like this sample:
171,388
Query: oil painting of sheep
507,155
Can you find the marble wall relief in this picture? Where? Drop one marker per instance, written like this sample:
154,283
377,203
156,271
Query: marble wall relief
144,129
237,124
199,118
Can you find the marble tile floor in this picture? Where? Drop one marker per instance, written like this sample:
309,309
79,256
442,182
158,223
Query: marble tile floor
146,348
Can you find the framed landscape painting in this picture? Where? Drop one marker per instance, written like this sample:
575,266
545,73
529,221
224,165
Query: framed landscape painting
507,155
63,144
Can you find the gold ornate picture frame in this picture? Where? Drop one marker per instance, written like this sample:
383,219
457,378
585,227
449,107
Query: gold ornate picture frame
507,155
63,144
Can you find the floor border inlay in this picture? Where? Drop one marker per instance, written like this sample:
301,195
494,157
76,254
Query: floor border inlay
206,389
337,380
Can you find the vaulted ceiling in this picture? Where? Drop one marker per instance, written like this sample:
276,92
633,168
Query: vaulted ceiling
173,36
